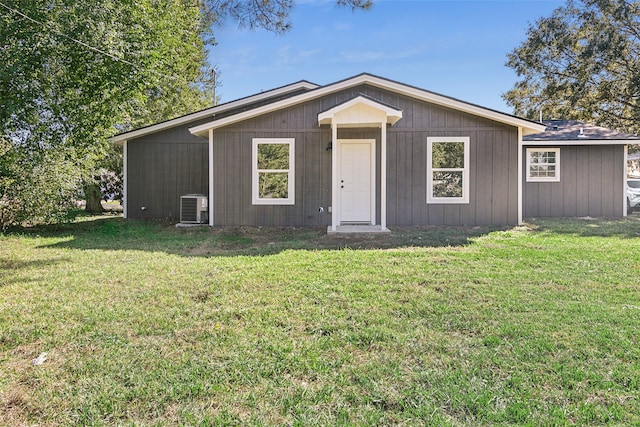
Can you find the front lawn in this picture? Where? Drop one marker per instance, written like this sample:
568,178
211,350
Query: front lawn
146,324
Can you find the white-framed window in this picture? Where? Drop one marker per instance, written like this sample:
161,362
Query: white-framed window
273,178
448,169
543,164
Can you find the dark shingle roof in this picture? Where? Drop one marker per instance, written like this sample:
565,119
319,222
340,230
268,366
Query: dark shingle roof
571,130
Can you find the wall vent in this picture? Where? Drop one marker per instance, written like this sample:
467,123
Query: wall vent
193,209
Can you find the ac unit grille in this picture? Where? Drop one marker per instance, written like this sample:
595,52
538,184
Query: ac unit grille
189,211
193,208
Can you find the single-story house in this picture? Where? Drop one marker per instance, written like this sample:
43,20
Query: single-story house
369,152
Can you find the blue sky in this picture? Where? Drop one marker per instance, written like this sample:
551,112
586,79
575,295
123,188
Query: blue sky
456,48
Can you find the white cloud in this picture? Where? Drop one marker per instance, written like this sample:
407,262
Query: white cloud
342,26
283,54
361,56
287,55
372,55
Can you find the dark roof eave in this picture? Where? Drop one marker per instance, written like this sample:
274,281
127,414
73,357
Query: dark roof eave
201,114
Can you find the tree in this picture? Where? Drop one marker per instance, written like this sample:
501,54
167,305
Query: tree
26,193
73,75
582,63
271,15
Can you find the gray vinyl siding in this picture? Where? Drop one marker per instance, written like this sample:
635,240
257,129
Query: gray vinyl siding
493,173
232,180
165,165
590,184
493,165
162,167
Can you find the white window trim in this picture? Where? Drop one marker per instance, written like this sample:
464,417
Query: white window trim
255,172
555,178
465,171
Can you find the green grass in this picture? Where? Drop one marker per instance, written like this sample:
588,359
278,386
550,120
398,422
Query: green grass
145,324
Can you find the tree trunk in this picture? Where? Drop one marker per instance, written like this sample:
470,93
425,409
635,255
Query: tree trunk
93,196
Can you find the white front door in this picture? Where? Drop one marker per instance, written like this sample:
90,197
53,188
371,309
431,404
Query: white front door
356,181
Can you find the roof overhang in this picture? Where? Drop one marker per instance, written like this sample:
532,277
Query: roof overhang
563,142
360,111
210,112
574,132
528,127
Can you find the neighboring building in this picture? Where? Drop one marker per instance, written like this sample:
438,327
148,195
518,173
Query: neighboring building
633,165
370,152
574,170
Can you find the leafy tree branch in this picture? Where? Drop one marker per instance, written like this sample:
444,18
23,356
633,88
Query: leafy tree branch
581,63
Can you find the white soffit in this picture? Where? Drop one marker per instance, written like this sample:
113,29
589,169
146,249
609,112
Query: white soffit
119,139
360,110
528,127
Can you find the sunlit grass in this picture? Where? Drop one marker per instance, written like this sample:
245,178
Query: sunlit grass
148,325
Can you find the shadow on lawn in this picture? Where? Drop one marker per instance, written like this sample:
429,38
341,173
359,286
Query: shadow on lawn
110,232
9,267
114,233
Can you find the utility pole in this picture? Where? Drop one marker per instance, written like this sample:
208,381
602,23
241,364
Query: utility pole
214,75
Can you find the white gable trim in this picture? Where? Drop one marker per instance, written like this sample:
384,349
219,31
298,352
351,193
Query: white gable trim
434,98
527,126
119,139
358,111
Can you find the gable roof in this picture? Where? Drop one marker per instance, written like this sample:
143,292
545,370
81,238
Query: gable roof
527,126
391,114
564,132
277,93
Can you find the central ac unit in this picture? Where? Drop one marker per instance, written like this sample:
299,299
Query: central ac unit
193,209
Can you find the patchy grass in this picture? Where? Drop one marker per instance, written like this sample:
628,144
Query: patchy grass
146,324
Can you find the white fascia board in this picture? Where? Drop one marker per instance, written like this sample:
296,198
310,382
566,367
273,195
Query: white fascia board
577,142
119,139
393,115
527,126
202,130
